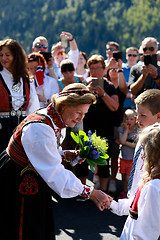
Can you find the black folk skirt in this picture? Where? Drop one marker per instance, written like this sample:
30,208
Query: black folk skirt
26,207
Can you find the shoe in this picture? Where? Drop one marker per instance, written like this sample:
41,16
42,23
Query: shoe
112,186
122,195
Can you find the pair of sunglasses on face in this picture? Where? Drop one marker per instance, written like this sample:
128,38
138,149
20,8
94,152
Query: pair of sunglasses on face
132,55
38,45
149,48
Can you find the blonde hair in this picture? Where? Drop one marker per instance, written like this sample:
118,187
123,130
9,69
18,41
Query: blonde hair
128,113
150,141
132,49
38,39
72,99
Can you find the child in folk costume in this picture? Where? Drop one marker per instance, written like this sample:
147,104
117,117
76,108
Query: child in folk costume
143,221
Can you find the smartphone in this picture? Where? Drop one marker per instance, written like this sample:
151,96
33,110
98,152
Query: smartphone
150,59
46,55
117,55
64,41
98,82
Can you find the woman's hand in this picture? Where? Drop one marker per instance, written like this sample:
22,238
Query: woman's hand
70,155
101,199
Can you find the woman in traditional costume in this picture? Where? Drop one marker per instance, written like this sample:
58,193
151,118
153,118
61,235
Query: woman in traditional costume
18,97
30,168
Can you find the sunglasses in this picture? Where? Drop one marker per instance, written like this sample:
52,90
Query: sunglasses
111,49
132,55
60,53
114,69
149,48
37,45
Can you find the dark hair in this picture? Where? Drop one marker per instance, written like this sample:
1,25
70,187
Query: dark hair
85,57
37,57
67,65
19,59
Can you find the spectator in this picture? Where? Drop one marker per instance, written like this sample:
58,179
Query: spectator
40,44
30,168
132,56
45,85
67,70
99,117
59,54
115,75
18,95
110,48
127,137
81,69
144,219
144,77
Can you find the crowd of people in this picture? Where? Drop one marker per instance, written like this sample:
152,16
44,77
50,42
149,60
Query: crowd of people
46,95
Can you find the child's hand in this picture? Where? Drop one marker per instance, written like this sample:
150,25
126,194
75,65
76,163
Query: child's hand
125,125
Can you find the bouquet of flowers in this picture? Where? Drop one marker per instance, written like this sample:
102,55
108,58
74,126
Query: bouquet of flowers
92,147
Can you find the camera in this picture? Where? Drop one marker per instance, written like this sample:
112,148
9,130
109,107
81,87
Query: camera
98,82
150,59
117,55
46,55
64,41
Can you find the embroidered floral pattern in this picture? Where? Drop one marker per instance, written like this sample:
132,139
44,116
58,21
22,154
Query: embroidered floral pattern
56,117
29,185
86,192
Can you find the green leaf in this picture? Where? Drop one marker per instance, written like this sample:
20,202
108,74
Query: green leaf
84,152
75,138
85,137
92,165
99,161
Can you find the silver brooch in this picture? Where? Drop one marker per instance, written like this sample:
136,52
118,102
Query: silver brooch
16,87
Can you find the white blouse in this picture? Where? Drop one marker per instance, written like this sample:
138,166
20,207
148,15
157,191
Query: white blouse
50,86
147,225
17,97
40,144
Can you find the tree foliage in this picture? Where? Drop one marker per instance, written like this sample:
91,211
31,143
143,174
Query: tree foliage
92,23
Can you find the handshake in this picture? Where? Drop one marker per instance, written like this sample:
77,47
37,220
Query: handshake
101,199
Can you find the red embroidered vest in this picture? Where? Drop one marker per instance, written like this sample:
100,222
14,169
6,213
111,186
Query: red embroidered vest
133,211
6,99
15,149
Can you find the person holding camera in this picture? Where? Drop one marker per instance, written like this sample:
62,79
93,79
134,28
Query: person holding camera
99,117
115,75
59,52
145,75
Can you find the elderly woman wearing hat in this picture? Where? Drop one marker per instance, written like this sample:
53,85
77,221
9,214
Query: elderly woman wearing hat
30,168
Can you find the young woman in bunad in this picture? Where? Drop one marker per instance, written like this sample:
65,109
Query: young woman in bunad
18,97
143,221
30,168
